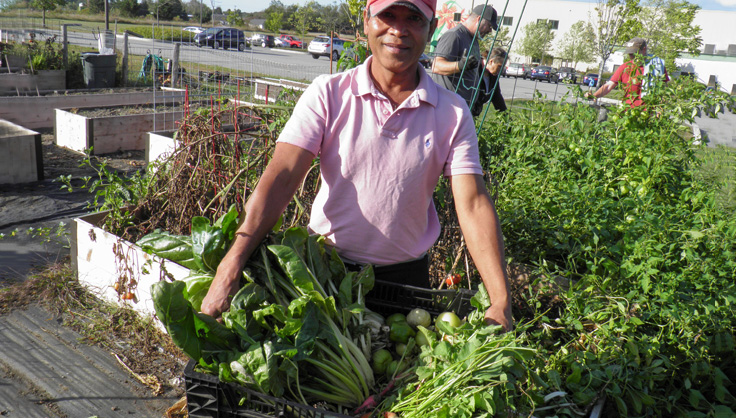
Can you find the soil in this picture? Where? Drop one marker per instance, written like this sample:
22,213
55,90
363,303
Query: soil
133,110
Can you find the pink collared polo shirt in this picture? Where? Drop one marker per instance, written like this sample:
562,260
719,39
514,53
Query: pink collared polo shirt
380,167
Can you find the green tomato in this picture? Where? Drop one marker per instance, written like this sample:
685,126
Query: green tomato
400,332
419,317
450,318
394,368
381,359
400,349
624,189
424,336
578,151
397,317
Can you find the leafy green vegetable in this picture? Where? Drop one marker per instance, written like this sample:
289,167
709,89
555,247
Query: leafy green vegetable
171,247
288,329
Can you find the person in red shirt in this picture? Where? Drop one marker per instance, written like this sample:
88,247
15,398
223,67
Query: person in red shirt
631,74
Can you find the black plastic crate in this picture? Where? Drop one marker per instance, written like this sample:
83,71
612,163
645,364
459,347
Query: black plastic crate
207,397
210,398
387,298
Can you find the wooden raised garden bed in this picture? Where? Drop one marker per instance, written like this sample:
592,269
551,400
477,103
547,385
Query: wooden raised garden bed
43,80
101,259
21,159
112,129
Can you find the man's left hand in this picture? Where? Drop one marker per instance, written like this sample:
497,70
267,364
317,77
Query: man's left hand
497,315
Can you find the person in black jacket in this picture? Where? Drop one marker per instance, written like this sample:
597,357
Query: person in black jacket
491,70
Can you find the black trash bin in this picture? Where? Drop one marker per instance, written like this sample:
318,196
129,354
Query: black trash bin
99,70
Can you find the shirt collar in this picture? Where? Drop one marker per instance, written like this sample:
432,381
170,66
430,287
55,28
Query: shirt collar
426,90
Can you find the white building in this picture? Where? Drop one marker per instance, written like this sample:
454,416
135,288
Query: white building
717,61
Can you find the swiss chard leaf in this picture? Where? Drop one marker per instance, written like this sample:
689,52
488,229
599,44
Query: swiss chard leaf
228,223
198,335
197,285
172,247
295,238
257,368
250,296
208,244
307,335
294,267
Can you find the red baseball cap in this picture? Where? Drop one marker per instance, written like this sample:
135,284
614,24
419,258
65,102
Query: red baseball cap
426,7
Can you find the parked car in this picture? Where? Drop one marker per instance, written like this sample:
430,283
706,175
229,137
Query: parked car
263,40
544,72
278,42
515,69
291,41
590,79
194,29
268,41
320,47
221,38
567,75
528,70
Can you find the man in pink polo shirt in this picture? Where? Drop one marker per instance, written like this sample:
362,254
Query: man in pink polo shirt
384,133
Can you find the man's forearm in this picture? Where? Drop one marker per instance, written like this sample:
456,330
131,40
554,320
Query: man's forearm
273,193
442,66
482,231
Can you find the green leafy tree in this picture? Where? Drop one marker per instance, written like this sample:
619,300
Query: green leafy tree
200,12
353,10
143,9
45,5
578,44
495,40
234,18
96,6
536,41
274,21
331,19
305,18
668,27
616,23
288,16
127,8
169,9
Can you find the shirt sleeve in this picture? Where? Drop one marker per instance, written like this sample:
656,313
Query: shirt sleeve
306,126
464,157
618,74
449,47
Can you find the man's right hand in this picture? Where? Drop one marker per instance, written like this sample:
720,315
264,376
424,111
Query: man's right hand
225,285
467,62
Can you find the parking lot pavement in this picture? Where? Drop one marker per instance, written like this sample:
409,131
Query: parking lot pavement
718,131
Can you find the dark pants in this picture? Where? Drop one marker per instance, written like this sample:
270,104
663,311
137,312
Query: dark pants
413,273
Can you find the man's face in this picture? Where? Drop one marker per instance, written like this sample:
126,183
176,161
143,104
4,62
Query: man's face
485,27
397,37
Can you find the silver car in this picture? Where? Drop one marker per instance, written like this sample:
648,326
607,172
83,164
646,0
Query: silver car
515,70
320,47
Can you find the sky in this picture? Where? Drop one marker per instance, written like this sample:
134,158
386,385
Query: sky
259,5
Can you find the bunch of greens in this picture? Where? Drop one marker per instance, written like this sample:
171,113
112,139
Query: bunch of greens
293,330
470,371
